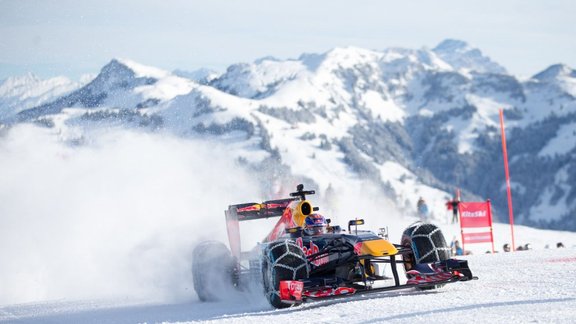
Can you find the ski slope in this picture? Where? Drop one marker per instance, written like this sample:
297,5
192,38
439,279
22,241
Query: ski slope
519,287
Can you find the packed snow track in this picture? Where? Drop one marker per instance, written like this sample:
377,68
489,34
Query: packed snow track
519,287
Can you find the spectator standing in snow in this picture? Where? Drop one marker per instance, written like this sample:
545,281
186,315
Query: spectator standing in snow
456,248
453,204
422,209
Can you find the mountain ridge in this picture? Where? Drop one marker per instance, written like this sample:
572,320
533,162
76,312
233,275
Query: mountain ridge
430,115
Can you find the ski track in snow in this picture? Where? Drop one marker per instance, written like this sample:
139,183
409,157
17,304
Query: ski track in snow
519,287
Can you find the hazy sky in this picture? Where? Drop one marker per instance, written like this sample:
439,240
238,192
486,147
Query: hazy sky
72,37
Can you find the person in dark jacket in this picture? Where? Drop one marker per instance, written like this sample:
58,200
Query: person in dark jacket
453,204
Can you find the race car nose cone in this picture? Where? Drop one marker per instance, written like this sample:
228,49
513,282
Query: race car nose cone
378,248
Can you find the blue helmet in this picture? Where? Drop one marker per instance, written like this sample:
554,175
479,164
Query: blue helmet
315,224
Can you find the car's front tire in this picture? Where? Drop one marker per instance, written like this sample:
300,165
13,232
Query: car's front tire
282,260
427,243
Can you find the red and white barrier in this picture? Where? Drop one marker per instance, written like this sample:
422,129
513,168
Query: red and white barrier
476,215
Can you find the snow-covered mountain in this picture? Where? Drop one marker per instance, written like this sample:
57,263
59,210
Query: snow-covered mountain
28,91
120,84
202,76
415,122
463,57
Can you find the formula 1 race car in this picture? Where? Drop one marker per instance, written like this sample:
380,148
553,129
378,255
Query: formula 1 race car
293,265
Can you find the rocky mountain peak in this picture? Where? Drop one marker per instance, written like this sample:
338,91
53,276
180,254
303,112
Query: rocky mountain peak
554,72
115,72
28,78
461,56
452,45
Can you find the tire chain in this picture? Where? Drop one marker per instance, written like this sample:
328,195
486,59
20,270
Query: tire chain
429,237
274,264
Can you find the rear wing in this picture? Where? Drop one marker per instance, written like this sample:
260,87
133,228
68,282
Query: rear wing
251,211
271,208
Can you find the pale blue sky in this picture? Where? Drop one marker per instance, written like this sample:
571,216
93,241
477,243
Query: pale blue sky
74,37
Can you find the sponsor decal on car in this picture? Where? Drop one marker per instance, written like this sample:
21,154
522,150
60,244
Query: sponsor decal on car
254,207
310,250
291,290
327,292
358,248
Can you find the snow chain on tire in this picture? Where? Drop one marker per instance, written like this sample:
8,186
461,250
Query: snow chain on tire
428,245
282,261
427,242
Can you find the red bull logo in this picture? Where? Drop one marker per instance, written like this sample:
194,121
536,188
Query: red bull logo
250,208
310,250
276,205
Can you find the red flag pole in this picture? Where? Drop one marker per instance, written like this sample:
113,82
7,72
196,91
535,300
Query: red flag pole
509,191
490,217
461,228
462,237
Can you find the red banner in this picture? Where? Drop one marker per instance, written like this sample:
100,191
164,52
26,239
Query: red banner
475,214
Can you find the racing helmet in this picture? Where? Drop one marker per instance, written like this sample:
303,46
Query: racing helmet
315,224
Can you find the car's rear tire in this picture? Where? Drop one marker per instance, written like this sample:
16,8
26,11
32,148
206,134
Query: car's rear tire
213,271
283,260
427,243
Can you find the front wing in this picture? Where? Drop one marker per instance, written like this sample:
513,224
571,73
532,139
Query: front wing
443,272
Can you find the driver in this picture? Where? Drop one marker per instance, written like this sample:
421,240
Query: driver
315,224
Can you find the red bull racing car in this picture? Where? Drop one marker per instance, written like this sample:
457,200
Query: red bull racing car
305,258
